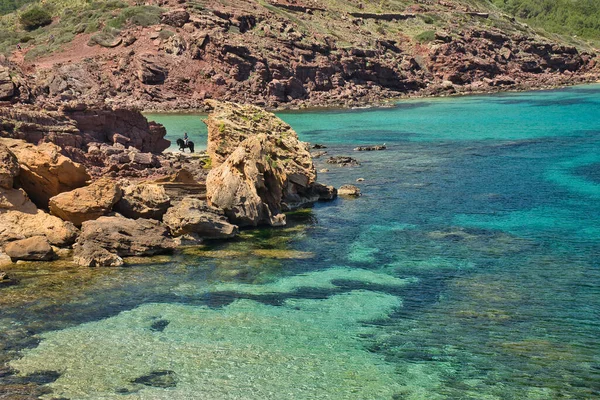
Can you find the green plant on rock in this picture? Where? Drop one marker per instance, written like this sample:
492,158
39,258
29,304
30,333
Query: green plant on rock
425,37
34,18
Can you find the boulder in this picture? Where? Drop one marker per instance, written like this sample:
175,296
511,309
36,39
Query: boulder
349,190
150,70
45,172
16,225
9,167
343,161
86,203
7,87
16,199
177,18
143,201
92,255
127,237
35,248
249,185
196,216
258,164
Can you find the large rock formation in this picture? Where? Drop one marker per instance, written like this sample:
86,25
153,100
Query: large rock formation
126,237
35,248
9,167
86,203
77,125
143,201
261,168
44,171
195,216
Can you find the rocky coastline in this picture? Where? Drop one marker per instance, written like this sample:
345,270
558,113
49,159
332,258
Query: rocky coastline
92,184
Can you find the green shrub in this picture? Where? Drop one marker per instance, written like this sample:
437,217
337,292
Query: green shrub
138,15
425,37
428,19
34,18
106,38
165,34
581,17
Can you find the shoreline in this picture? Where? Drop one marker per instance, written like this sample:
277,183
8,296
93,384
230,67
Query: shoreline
387,102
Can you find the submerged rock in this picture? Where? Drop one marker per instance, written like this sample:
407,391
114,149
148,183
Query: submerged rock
127,237
196,216
86,203
35,248
371,148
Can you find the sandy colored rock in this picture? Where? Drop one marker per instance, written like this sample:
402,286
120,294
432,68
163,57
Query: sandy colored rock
35,248
127,237
16,225
16,199
349,190
86,203
196,216
9,167
143,201
259,166
44,171
92,255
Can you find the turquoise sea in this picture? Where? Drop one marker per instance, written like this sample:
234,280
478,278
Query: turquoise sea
469,269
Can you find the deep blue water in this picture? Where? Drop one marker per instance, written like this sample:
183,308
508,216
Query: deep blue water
469,269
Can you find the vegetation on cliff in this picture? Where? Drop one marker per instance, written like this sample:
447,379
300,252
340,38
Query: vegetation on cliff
581,17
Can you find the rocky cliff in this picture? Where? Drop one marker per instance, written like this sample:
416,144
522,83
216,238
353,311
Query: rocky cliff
282,54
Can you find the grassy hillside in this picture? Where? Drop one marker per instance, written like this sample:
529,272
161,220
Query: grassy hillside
570,17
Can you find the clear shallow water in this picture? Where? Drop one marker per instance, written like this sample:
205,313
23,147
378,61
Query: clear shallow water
469,269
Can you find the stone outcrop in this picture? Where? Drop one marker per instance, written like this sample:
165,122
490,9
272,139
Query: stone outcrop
150,69
176,18
86,203
349,190
343,161
16,225
35,248
77,125
143,200
196,216
259,165
126,237
7,87
9,167
44,171
92,255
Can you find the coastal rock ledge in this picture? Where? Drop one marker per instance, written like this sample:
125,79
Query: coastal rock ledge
260,168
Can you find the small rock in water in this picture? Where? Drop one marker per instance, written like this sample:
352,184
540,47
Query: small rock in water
323,170
371,148
161,379
319,154
319,146
360,179
343,161
349,190
159,326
